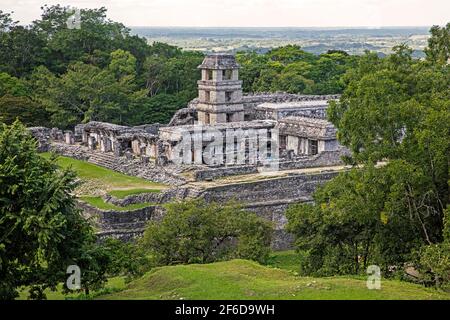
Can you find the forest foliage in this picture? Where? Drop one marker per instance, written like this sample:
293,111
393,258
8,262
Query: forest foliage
54,75
393,209
394,115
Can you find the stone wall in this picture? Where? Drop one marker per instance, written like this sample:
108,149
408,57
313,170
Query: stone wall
252,100
184,116
123,225
299,186
165,196
270,198
311,112
214,173
42,136
151,128
324,158
151,197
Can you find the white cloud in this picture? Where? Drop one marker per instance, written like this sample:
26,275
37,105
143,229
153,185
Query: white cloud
279,13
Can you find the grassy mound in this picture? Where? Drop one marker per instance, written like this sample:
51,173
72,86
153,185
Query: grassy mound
242,279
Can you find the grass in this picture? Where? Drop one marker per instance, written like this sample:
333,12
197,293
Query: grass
99,203
124,193
243,279
287,260
113,284
106,179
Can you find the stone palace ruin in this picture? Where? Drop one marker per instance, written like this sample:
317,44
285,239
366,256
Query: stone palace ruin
265,150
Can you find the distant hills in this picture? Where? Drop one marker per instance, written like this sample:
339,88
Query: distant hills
315,40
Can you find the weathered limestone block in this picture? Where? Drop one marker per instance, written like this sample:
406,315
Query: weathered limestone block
92,143
79,133
105,144
56,134
118,152
69,137
128,155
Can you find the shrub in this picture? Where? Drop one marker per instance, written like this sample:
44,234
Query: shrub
200,232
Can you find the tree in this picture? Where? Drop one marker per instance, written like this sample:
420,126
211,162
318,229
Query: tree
267,77
123,64
42,231
6,21
251,65
12,85
438,50
292,82
21,50
173,74
435,258
126,258
289,54
96,35
84,93
394,111
22,108
293,70
200,232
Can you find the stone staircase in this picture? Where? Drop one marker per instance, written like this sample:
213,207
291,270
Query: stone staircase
107,160
194,192
135,167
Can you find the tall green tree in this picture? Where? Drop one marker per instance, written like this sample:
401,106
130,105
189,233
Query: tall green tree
294,70
21,49
12,85
92,42
438,50
394,116
24,109
42,231
85,93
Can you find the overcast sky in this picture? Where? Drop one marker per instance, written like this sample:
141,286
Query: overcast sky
254,13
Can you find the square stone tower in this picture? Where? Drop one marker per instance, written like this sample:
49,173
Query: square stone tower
219,90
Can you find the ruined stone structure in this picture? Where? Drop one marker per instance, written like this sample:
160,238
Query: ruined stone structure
292,132
219,91
308,136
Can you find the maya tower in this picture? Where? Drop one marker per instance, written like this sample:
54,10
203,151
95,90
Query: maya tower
219,90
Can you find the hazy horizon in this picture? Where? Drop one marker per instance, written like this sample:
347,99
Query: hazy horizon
254,13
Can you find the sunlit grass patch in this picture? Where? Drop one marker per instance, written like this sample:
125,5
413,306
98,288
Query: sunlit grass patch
97,178
100,203
128,192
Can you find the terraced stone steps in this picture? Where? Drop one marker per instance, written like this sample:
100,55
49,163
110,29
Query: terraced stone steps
104,159
194,192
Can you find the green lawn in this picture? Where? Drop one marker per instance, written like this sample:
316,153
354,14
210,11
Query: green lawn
124,193
288,260
98,202
98,181
113,284
242,279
